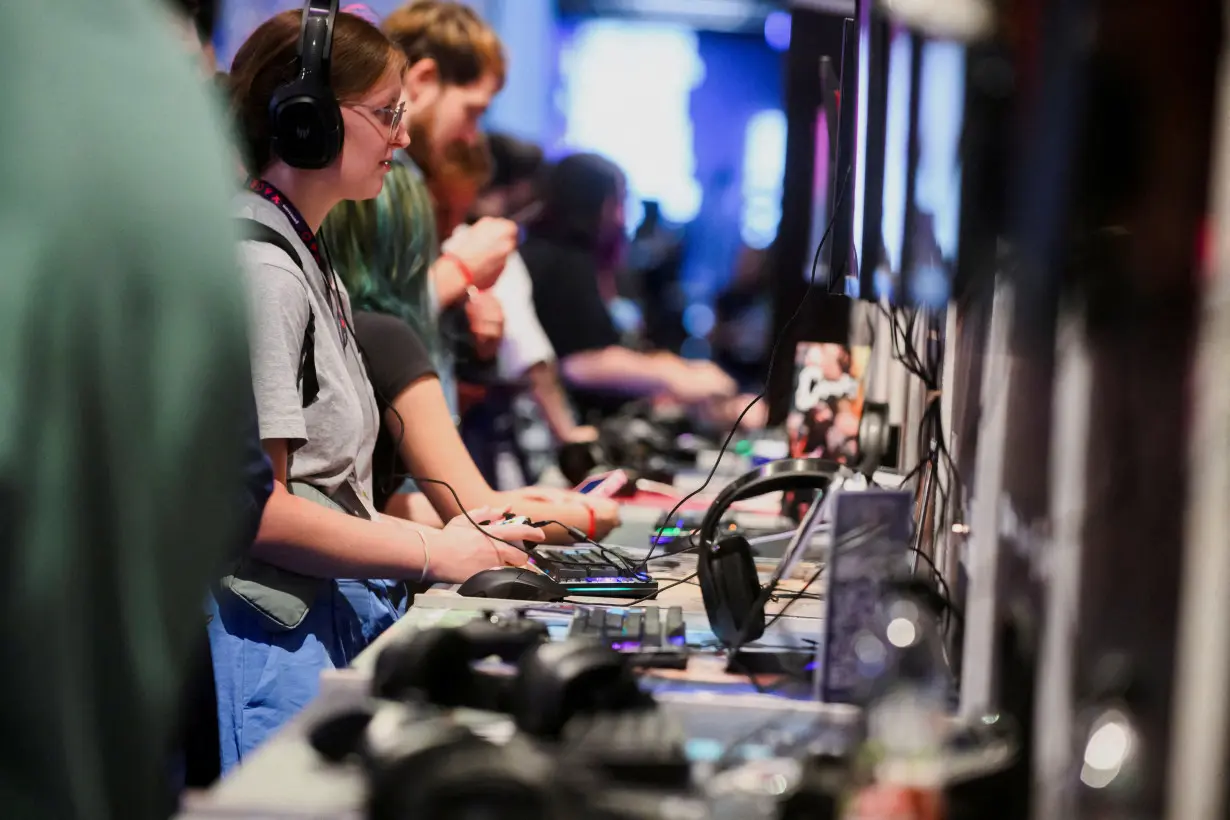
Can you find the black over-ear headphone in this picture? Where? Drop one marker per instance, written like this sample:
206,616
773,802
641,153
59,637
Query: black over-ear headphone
554,682
304,117
419,761
728,580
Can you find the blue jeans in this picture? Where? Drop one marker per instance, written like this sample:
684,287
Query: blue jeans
264,678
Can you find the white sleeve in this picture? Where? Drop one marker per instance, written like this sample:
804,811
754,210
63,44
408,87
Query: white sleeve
525,343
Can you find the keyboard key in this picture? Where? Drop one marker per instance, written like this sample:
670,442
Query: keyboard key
652,627
632,626
580,623
614,624
675,629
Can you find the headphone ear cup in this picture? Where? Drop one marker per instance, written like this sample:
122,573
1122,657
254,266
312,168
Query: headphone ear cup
558,681
577,460
459,775
306,125
873,433
730,588
433,665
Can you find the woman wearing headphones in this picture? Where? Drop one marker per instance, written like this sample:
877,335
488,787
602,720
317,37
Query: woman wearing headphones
316,131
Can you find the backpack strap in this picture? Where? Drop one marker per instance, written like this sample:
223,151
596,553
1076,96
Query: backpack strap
306,379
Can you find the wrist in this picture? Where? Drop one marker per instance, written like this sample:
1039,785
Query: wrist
463,270
449,280
591,531
424,574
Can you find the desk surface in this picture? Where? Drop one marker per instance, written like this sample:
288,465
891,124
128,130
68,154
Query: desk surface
800,628
286,779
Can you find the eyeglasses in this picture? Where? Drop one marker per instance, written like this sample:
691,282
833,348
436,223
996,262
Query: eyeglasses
387,115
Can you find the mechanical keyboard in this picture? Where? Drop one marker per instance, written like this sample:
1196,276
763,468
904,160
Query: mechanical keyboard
655,636
593,571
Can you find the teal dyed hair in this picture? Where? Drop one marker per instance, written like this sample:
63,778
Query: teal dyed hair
382,249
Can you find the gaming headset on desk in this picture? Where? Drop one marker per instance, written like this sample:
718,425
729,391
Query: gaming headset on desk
421,762
729,583
305,119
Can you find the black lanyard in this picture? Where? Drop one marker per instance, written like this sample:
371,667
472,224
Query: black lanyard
316,246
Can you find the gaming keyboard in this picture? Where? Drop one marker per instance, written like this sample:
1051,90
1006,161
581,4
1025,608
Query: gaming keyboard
655,636
588,570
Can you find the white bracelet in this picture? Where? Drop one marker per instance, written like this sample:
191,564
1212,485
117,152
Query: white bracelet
426,555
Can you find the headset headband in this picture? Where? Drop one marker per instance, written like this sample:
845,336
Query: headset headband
785,474
316,40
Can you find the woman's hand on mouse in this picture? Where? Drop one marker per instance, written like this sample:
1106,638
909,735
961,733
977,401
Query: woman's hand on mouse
502,530
469,551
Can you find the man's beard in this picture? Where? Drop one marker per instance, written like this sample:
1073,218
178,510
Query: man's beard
420,148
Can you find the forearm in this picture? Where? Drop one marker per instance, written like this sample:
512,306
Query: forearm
449,281
548,394
620,370
432,449
305,537
572,515
414,507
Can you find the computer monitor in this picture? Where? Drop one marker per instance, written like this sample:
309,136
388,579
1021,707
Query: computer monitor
867,153
907,203
934,183
832,144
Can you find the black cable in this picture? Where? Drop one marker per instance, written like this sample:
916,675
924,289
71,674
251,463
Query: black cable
660,590
614,558
420,480
931,434
396,477
781,337
733,653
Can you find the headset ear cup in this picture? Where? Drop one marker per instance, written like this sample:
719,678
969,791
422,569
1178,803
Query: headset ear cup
730,588
451,773
873,432
557,681
433,665
306,124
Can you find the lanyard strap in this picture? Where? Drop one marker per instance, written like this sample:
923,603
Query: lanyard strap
268,192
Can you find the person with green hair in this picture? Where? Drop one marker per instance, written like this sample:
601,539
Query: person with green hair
384,254
373,245
387,252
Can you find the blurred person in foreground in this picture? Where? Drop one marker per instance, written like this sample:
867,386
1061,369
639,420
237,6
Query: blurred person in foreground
196,753
124,404
573,253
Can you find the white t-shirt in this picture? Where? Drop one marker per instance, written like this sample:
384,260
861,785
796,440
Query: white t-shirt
525,343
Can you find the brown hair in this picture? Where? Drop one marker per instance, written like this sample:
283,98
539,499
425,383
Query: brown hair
361,57
464,47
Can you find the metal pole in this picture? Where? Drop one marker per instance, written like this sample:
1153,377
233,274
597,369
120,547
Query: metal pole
1201,717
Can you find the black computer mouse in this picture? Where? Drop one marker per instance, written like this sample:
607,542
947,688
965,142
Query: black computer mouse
512,583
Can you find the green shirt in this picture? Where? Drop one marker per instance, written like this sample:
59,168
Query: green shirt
123,388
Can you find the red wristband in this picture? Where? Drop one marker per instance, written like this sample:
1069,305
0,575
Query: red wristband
592,533
466,273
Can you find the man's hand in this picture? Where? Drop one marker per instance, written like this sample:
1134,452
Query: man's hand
606,515
542,495
701,384
582,435
484,247
715,375
486,317
723,413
